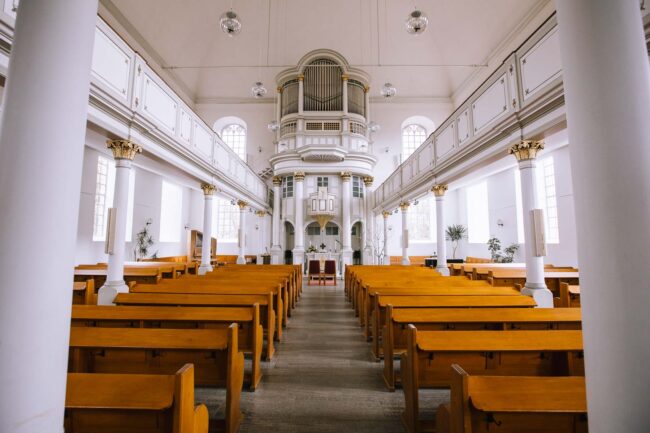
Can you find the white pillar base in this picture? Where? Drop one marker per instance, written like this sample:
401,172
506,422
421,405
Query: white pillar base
241,260
443,270
405,261
346,257
542,295
109,291
298,256
204,269
276,255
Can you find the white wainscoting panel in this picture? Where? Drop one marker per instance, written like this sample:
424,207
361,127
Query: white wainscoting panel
111,66
445,142
541,64
158,104
491,104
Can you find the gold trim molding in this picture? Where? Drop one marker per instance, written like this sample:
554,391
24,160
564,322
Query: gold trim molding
439,190
260,213
404,206
299,176
123,149
242,204
346,176
526,149
208,188
385,214
277,180
368,180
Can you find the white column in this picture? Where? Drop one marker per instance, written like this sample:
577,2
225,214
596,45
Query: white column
241,258
526,152
276,249
206,248
123,151
439,191
42,143
345,93
262,224
607,91
404,207
346,227
368,225
299,229
386,257
301,93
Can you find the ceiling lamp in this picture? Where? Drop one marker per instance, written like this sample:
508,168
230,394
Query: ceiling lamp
388,91
416,23
373,126
230,23
258,90
273,126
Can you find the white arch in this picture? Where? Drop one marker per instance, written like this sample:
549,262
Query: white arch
228,120
423,121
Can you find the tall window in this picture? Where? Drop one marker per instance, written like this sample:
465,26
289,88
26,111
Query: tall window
548,198
227,221
478,217
287,187
412,137
104,189
421,221
171,207
235,136
357,187
322,181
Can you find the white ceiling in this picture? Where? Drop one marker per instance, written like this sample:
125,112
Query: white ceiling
211,66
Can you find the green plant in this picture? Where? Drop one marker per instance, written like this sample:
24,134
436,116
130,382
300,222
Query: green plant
143,240
508,254
455,233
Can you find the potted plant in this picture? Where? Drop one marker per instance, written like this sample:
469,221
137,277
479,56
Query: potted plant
455,233
143,240
508,254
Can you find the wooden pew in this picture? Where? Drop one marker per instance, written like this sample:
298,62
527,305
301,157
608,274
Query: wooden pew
394,335
138,275
247,318
481,404
569,296
191,265
123,403
509,353
508,278
382,302
83,292
214,353
265,302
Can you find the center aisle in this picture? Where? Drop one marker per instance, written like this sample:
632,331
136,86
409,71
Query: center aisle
323,377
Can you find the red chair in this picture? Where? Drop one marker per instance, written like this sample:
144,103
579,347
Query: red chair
313,272
330,271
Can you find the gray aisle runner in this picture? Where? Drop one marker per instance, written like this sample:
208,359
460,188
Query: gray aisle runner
323,377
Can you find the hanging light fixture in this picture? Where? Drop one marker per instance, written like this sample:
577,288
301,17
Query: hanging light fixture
258,90
373,126
416,22
388,91
273,126
230,23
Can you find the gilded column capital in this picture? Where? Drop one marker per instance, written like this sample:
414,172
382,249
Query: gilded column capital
277,180
366,89
526,149
123,149
299,176
368,180
279,89
404,206
242,204
346,176
208,188
301,77
260,213
345,77
385,214
439,190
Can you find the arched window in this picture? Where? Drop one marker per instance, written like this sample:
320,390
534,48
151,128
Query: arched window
234,135
413,136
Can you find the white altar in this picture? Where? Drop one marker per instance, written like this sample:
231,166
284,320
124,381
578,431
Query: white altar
321,257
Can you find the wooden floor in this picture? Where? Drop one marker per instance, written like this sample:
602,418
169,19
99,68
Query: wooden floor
323,378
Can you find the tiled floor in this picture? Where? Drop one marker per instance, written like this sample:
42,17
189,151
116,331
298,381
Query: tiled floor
323,377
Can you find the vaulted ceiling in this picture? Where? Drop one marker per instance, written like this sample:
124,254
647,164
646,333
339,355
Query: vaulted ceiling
184,36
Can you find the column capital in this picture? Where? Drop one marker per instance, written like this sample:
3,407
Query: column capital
368,180
299,176
345,77
526,149
439,190
279,89
277,180
366,89
208,189
385,214
301,77
260,213
123,149
346,176
404,206
242,204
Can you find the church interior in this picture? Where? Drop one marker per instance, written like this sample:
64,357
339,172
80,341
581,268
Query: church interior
324,216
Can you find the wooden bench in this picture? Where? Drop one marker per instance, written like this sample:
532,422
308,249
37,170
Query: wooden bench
247,318
265,302
191,265
414,260
429,355
214,353
83,292
138,275
508,278
394,334
569,296
481,404
123,403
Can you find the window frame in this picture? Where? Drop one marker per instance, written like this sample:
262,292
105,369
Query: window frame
227,213
357,187
409,141
236,141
